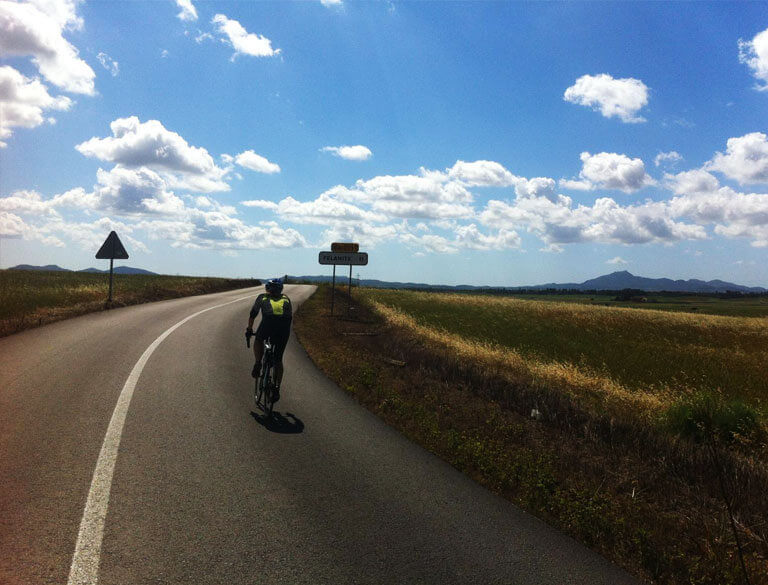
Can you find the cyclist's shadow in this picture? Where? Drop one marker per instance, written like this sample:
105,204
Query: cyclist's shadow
289,424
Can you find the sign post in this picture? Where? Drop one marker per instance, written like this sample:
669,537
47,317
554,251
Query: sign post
345,254
111,248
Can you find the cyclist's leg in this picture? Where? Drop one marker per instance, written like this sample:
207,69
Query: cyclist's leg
280,339
258,349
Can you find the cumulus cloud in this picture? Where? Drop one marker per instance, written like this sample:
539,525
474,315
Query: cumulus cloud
109,64
617,260
357,152
621,98
324,210
242,41
482,173
754,54
745,160
469,236
261,203
23,102
188,12
609,170
35,29
255,162
331,3
558,223
136,144
428,196
671,158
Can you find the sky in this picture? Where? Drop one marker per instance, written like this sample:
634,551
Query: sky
486,143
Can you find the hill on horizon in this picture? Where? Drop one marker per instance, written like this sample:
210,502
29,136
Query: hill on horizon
56,268
614,281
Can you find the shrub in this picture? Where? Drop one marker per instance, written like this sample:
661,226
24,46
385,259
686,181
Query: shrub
705,414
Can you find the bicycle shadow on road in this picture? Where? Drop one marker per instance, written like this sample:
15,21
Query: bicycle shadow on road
288,424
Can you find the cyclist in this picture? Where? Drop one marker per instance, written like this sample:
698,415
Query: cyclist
276,316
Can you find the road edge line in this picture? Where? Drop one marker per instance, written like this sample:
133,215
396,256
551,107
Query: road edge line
84,569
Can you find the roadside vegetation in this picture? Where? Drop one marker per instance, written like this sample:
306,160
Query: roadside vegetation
29,298
634,431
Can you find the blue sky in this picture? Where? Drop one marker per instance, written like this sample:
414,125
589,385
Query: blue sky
486,143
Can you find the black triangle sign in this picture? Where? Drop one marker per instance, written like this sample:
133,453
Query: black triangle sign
112,248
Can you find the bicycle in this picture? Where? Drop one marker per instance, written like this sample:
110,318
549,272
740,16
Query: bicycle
264,387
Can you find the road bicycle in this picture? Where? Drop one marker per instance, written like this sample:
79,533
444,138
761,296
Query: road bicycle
264,387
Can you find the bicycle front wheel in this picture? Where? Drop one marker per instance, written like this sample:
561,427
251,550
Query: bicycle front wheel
268,396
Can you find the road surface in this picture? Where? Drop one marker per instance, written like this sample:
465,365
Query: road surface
130,458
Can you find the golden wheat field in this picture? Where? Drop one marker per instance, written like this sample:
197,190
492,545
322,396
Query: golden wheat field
624,362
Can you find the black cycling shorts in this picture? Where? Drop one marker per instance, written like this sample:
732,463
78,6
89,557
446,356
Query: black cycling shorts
277,335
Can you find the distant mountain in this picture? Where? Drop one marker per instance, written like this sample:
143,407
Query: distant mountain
623,279
614,282
120,270
53,267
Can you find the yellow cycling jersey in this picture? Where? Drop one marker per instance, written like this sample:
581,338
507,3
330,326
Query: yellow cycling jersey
272,309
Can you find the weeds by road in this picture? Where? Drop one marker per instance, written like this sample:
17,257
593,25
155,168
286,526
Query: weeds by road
32,298
613,460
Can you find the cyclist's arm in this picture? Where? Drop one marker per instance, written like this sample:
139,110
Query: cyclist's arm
254,311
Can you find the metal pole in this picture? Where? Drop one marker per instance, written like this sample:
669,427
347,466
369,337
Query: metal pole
333,288
349,289
111,260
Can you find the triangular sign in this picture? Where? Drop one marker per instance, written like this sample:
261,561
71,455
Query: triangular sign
112,248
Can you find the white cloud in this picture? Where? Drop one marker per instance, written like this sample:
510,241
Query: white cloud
23,101
262,203
330,3
136,144
242,41
36,30
604,222
368,234
109,64
690,182
746,159
609,170
469,236
754,54
188,11
12,226
622,98
617,260
138,191
430,243
255,162
410,196
672,157
203,36
482,173
536,187
357,152
325,210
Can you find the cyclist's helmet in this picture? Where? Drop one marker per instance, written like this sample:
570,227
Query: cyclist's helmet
275,285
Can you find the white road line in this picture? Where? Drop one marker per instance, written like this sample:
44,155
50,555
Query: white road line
85,562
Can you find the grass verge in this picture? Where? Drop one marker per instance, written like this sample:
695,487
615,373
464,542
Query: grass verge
33,298
638,493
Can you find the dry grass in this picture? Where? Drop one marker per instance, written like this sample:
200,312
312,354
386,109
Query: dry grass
33,298
621,484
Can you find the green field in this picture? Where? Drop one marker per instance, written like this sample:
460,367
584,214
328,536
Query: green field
744,306
606,354
34,297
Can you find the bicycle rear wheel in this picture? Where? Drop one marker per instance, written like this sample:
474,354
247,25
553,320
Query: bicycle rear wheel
268,390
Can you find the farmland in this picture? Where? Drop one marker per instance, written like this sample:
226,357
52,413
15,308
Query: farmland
31,298
651,356
627,428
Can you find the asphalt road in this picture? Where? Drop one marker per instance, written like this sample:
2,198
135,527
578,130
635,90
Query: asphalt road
205,491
